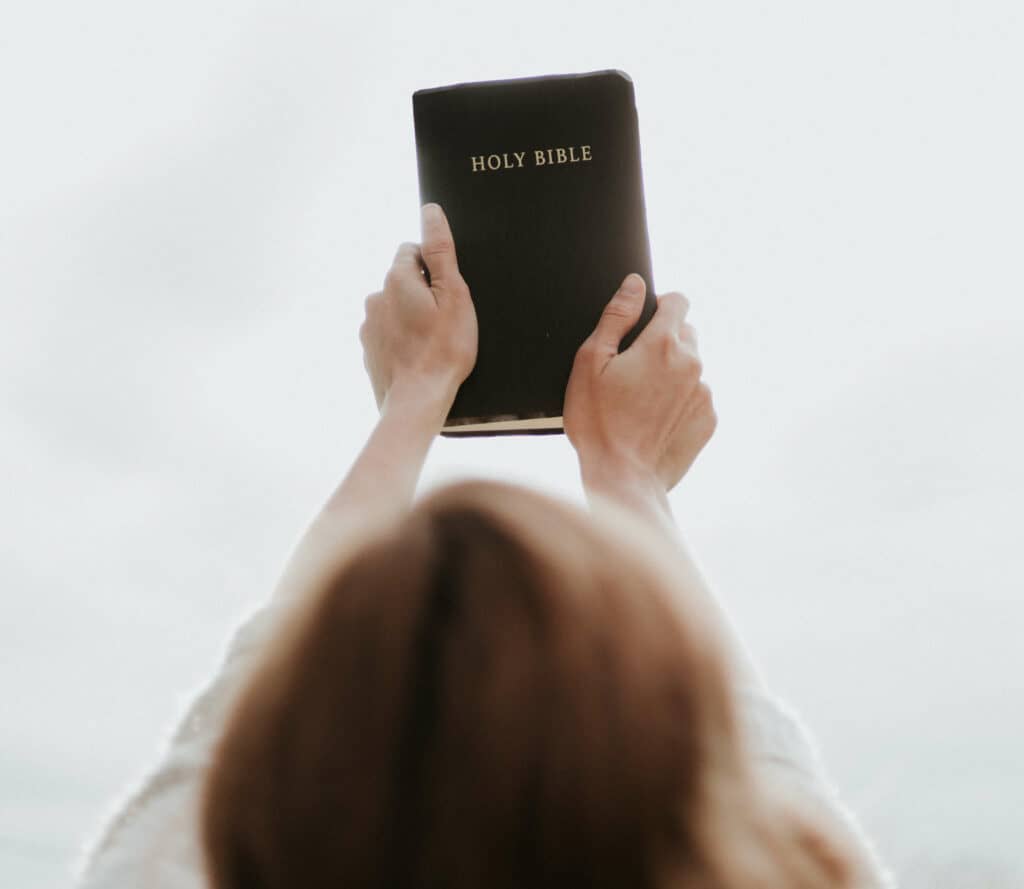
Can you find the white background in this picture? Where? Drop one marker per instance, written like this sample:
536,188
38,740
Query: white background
195,199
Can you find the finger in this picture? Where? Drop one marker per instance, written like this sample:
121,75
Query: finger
408,263
620,315
438,248
668,317
688,334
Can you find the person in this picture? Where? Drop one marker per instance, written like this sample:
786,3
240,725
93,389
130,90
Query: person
492,686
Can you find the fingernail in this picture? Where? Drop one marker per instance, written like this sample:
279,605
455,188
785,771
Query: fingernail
427,209
632,285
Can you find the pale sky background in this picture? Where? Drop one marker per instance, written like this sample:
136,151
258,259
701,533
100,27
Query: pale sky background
195,198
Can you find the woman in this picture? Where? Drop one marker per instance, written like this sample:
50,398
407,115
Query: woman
492,687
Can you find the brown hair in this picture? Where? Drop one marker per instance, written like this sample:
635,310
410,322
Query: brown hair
496,691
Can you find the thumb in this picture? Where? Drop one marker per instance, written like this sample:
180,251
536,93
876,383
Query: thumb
438,247
621,313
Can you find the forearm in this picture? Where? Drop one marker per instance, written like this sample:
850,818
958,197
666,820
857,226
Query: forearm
640,493
644,496
384,476
378,488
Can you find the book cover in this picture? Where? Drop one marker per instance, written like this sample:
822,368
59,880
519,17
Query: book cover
541,181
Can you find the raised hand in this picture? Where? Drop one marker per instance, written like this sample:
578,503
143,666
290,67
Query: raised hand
420,333
644,412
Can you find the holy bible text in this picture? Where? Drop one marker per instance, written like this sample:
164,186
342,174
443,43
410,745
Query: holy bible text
514,160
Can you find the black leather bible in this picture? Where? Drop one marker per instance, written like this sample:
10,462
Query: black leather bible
541,181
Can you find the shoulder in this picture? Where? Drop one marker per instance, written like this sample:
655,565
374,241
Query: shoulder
160,850
789,766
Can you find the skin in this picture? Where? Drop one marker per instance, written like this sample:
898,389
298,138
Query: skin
634,441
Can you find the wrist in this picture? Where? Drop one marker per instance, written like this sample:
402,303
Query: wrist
423,404
630,484
606,471
386,472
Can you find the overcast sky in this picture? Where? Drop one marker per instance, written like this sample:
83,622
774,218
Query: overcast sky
195,199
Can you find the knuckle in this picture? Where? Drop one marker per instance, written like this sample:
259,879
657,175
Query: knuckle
677,299
709,423
372,301
407,251
438,247
618,308
707,406
682,361
669,348
586,353
672,306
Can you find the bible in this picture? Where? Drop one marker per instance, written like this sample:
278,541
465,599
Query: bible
541,181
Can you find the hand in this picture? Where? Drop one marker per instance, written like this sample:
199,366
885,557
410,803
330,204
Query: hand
420,333
644,412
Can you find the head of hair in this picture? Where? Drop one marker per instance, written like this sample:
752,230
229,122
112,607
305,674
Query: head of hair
498,691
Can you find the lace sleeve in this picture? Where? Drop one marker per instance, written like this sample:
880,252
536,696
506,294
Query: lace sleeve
777,739
151,838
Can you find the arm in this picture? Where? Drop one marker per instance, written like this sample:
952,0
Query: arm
420,343
635,439
378,487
